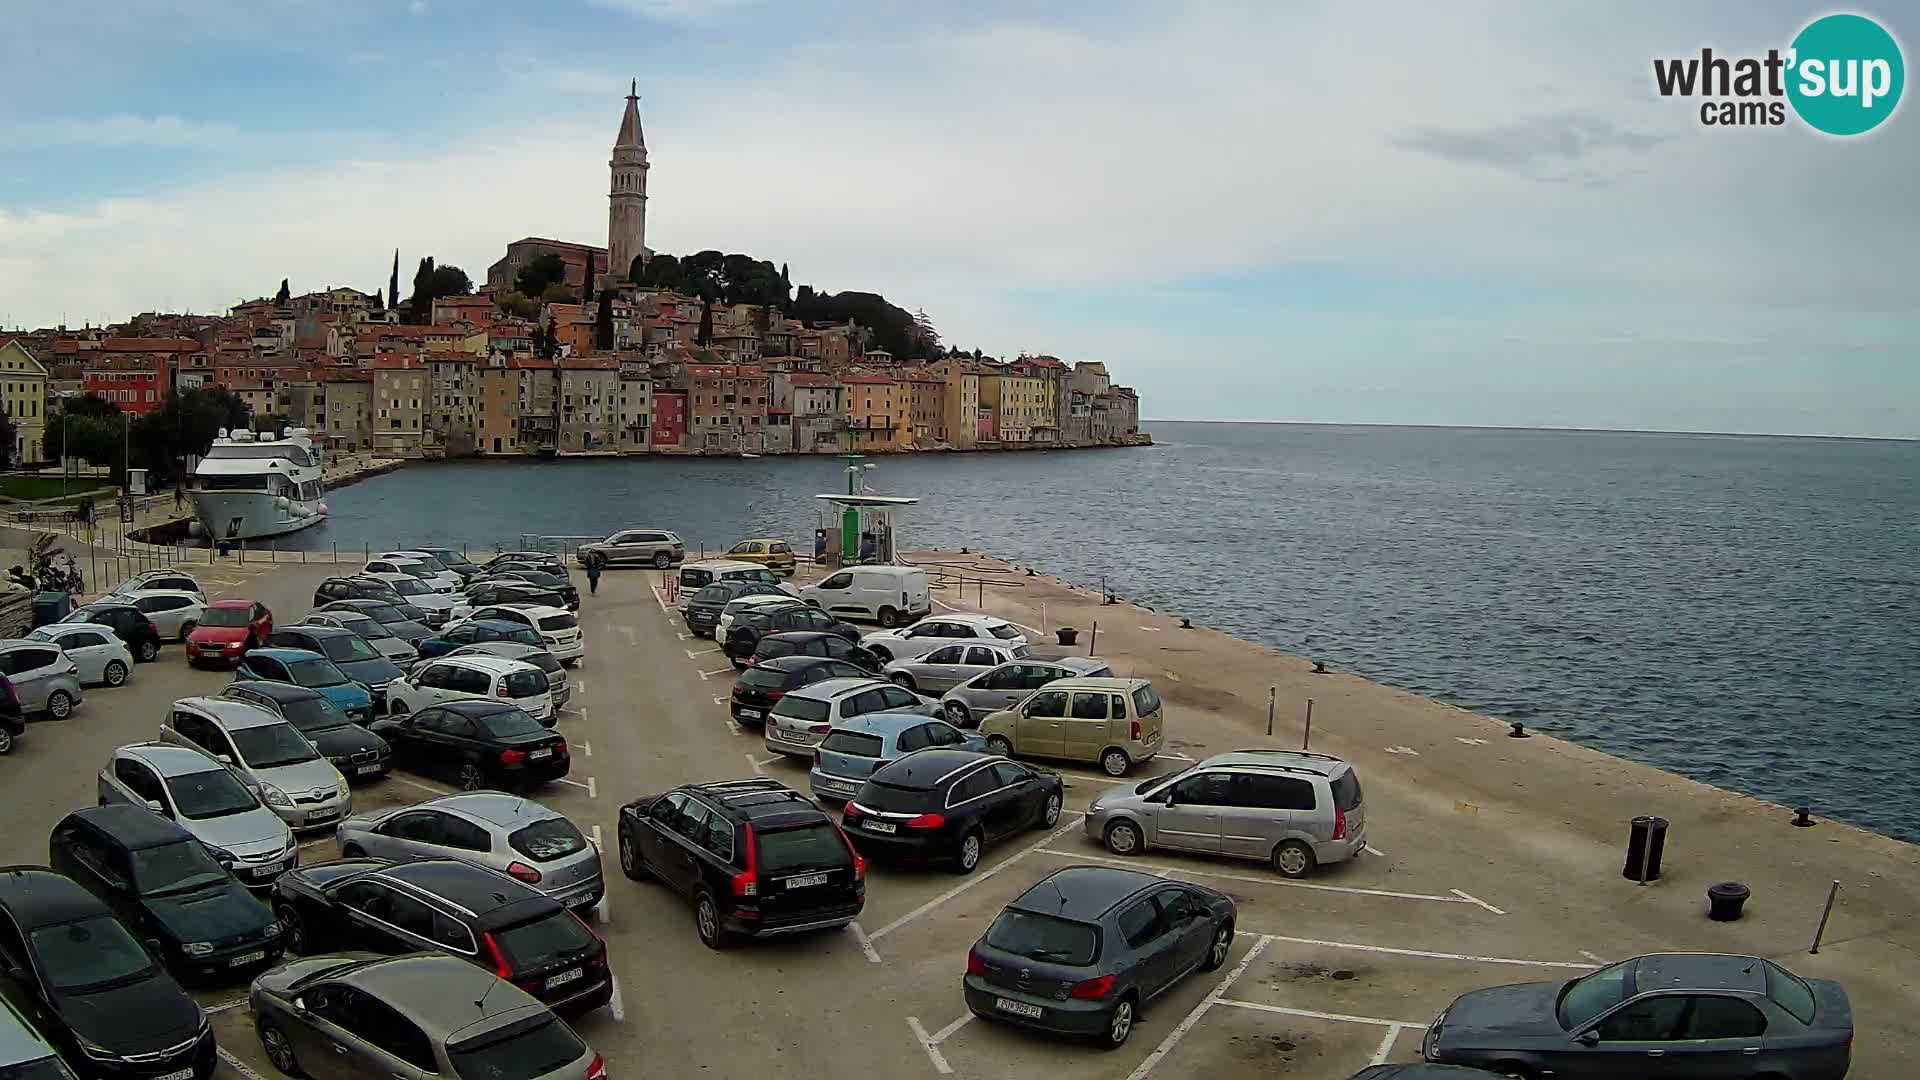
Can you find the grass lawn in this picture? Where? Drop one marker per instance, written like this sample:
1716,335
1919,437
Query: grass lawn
45,485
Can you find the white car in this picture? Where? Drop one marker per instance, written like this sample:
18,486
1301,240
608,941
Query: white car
174,612
99,654
936,630
437,605
445,581
456,678
172,580
428,559
747,603
557,627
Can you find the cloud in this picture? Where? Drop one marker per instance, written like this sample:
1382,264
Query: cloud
678,11
1539,146
122,129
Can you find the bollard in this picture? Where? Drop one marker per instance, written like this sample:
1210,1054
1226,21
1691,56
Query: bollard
273,550
1725,900
303,556
1802,817
1272,691
1646,843
1306,737
1821,931
1519,731
336,551
1093,637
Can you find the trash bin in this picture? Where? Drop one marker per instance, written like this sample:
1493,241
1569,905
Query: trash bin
1066,635
50,607
1646,843
1725,900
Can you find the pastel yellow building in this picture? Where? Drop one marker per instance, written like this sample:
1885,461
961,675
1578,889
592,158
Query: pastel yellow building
1020,403
23,394
879,412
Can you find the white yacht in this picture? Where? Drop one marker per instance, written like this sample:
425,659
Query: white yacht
251,486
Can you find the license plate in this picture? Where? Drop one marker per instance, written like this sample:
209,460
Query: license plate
247,958
538,754
878,826
564,978
264,871
322,815
1017,1008
183,1074
755,713
367,770
806,880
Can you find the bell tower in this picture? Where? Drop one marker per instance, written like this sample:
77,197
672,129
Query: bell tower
627,192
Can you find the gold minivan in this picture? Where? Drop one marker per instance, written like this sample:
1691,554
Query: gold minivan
1115,722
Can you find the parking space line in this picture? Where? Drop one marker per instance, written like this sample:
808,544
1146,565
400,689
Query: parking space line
586,747
695,654
728,670
1261,1006
973,880
754,764
428,788
1134,864
685,637
1596,960
662,600
1193,1017
932,1048
1371,850
947,1032
615,1005
768,761
223,1006
1357,947
1472,899
866,945
1386,1045
238,1066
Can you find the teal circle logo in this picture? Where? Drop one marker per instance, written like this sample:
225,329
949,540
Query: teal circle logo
1845,75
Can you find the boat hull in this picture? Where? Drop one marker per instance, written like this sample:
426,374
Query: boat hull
252,515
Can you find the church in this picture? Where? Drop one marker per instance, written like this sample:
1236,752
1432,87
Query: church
626,219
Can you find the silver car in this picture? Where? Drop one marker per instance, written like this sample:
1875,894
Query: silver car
200,795
855,749
439,1016
173,612
516,836
642,547
804,716
950,665
45,679
170,579
1005,686
371,631
533,654
1286,807
268,754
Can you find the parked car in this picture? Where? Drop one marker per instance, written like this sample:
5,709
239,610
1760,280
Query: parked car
197,793
950,665
372,631
352,749
1083,949
513,835
1115,722
13,722
935,631
855,748
748,627
173,614
44,679
536,560
947,803
766,598
453,559
435,605
803,717
129,624
99,994
355,587
1419,1071
555,581
304,667
227,630
771,552
1289,808
756,858
695,576
503,591
474,631
761,686
490,678
477,744
25,1053
559,631
703,610
814,643
889,595
1707,1014
559,687
390,567
268,754
392,616
1005,686
170,578
452,907
165,886
644,547
442,1017
348,651
440,571
99,654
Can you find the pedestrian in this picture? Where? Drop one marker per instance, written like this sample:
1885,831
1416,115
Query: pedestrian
179,494
594,562
867,547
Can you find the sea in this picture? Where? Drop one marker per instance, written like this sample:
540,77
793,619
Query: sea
1743,610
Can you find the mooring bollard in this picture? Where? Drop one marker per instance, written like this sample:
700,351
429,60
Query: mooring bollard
1821,931
1803,817
1646,843
1519,731
1725,900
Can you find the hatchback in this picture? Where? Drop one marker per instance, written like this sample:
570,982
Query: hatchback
695,576
441,571
44,679
464,678
950,665
353,588
1286,807
352,749
435,605
743,634
1003,687
855,748
769,551
101,656
395,618
703,611
502,591
129,623
814,643
348,651
268,754
558,629
559,687
762,597
554,581
755,857
1084,949
453,559
934,631
305,667
804,716
389,567
1115,722
477,744
372,631
947,805
516,836
761,686
227,630
100,995
173,614
193,791
441,1016
172,579
475,631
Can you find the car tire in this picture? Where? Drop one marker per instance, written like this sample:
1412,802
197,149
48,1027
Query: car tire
706,921
889,618
148,652
1049,812
1124,838
902,680
115,673
1114,761
881,654
1293,859
1222,945
1513,1069
396,707
972,847
353,851
60,705
6,742
279,1048
661,560
631,864
1119,1024
293,929
999,746
471,778
957,714
186,628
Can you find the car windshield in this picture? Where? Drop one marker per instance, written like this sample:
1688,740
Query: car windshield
856,743
799,708
430,563
387,614
526,684
223,616
545,662
556,936
89,954
210,794
268,745
1004,631
714,594
1044,937
534,1051
47,1068
314,673
510,723
347,648
181,866
365,626
1141,787
1019,652
558,622
313,714
544,841
1594,994
410,587
809,847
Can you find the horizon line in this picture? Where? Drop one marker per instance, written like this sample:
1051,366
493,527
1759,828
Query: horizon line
1535,427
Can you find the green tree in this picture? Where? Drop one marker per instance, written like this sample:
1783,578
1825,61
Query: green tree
661,271
393,283
540,273
706,321
430,283
515,303
558,293
603,323
90,404
185,424
7,436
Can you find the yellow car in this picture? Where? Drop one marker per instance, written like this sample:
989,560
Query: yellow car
773,554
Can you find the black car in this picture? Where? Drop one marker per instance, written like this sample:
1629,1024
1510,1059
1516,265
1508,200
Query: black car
538,560
445,905
1421,1071
475,631
13,721
490,593
477,743
349,652
756,858
703,607
354,588
557,582
104,1001
750,626
163,883
404,621
761,686
353,749
816,643
129,624
943,805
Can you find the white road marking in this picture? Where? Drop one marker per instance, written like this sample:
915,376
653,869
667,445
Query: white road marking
932,1048
1186,1024
586,748
1357,947
1310,1014
1386,1044
236,1003
1150,629
866,946
768,761
593,788
685,637
659,596
1469,742
428,788
1371,850
754,764
615,1005
719,701
1591,957
238,1066
947,1032
695,654
594,835
1176,757
1472,899
1403,750
973,880
1134,864
728,670
579,686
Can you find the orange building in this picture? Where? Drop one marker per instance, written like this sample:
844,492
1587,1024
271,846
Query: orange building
879,412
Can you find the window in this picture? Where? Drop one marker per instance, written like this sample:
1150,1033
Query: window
1089,706
1789,992
1044,938
1716,1016
1652,1019
421,827
1594,994
465,835
1007,774
978,656
972,786
1141,923
380,1024
1047,703
915,738
544,841
717,837
1273,793
691,821
1145,700
1206,789
409,914
1346,796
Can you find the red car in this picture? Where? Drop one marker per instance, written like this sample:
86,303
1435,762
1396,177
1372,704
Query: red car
228,628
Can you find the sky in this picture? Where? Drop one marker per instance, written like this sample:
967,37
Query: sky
1394,212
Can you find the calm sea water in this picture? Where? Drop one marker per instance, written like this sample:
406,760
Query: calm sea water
1745,611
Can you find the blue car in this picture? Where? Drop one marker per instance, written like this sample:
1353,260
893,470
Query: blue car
475,631
859,745
304,667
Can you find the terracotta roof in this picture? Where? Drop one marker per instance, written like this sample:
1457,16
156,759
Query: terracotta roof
395,361
808,378
530,363
589,363
450,358
866,379
558,244
346,375
131,344
727,371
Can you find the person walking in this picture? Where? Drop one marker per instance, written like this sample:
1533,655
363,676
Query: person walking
595,561
179,494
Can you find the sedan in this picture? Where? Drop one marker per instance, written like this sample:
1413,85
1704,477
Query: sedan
44,679
518,837
304,667
101,657
950,665
477,744
748,627
371,630
934,631
1706,1014
396,618
855,748
1009,684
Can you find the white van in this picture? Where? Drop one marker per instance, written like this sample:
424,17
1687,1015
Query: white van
695,576
889,595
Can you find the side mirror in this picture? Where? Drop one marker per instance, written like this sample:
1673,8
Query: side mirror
224,759
1589,1037
300,1004
1168,798
158,950
154,805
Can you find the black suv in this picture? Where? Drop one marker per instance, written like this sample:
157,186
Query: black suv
404,621
449,906
756,857
361,588
703,608
946,805
490,593
164,885
539,579
761,686
129,624
816,643
750,626
354,750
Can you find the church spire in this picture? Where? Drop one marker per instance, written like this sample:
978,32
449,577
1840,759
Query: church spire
630,133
